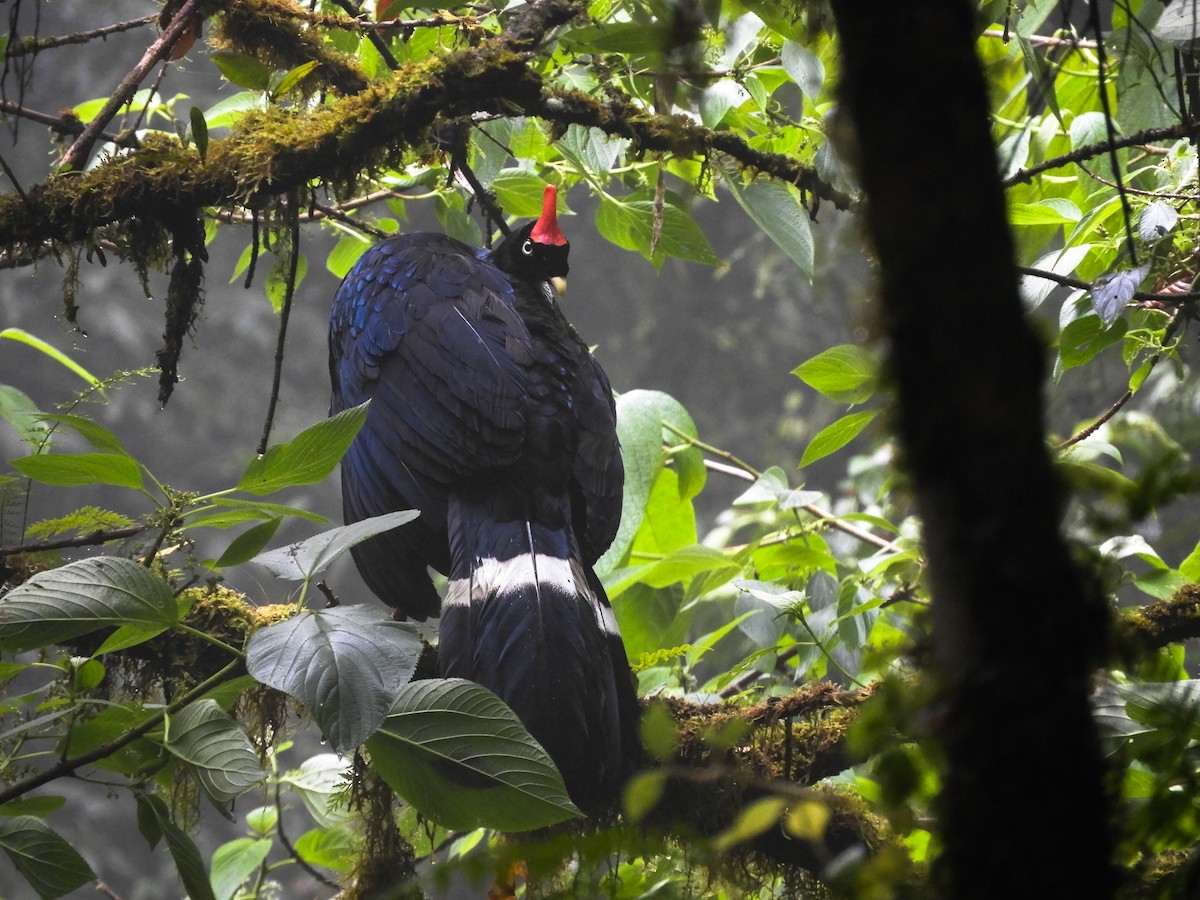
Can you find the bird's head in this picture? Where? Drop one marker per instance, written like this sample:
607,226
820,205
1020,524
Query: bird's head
537,250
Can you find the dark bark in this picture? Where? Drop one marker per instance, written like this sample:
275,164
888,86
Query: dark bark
1022,811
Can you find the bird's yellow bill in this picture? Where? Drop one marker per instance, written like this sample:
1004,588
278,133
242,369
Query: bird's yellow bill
560,285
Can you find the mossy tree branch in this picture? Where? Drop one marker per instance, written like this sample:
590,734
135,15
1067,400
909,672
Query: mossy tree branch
274,152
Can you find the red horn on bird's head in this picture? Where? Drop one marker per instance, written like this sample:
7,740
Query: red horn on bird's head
545,230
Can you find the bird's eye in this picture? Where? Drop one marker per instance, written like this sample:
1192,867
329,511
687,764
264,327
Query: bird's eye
527,248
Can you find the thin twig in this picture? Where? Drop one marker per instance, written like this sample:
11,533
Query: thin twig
823,516
1073,282
79,151
92,538
284,314
37,45
1042,40
1091,429
1158,195
332,212
291,848
1110,129
1089,151
60,124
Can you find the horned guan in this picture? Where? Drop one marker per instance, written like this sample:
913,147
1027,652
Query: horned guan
489,414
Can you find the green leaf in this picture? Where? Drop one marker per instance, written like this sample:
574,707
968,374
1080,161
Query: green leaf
772,487
247,544
24,337
1156,221
804,67
330,848
307,458
199,132
93,432
718,98
46,860
751,821
277,279
236,511
1056,211
630,224
680,566
520,193
592,150
215,750
291,79
846,373
40,806
775,207
228,111
642,794
304,559
79,469
153,816
1085,337
835,436
345,253
234,862
1190,567
242,70
453,750
19,411
344,665
323,782
81,597
640,418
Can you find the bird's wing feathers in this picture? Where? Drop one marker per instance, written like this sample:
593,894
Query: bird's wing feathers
426,330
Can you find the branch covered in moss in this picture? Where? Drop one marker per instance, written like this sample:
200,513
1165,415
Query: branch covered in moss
1164,622
276,151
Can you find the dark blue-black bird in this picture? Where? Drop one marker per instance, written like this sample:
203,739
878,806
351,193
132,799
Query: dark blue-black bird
489,415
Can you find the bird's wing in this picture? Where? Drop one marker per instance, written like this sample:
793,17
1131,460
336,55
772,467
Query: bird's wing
598,473
426,331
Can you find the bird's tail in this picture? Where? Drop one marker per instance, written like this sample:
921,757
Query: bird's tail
527,619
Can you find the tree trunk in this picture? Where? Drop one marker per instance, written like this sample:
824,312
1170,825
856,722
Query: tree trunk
1016,633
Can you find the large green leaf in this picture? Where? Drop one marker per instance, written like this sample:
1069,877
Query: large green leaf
520,193
835,436
630,224
81,597
79,469
846,373
47,861
306,558
250,542
31,340
307,458
321,782
19,411
215,750
640,426
453,750
154,821
232,511
678,566
775,207
93,432
804,67
236,861
242,70
345,665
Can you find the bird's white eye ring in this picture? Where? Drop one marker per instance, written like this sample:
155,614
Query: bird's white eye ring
527,248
